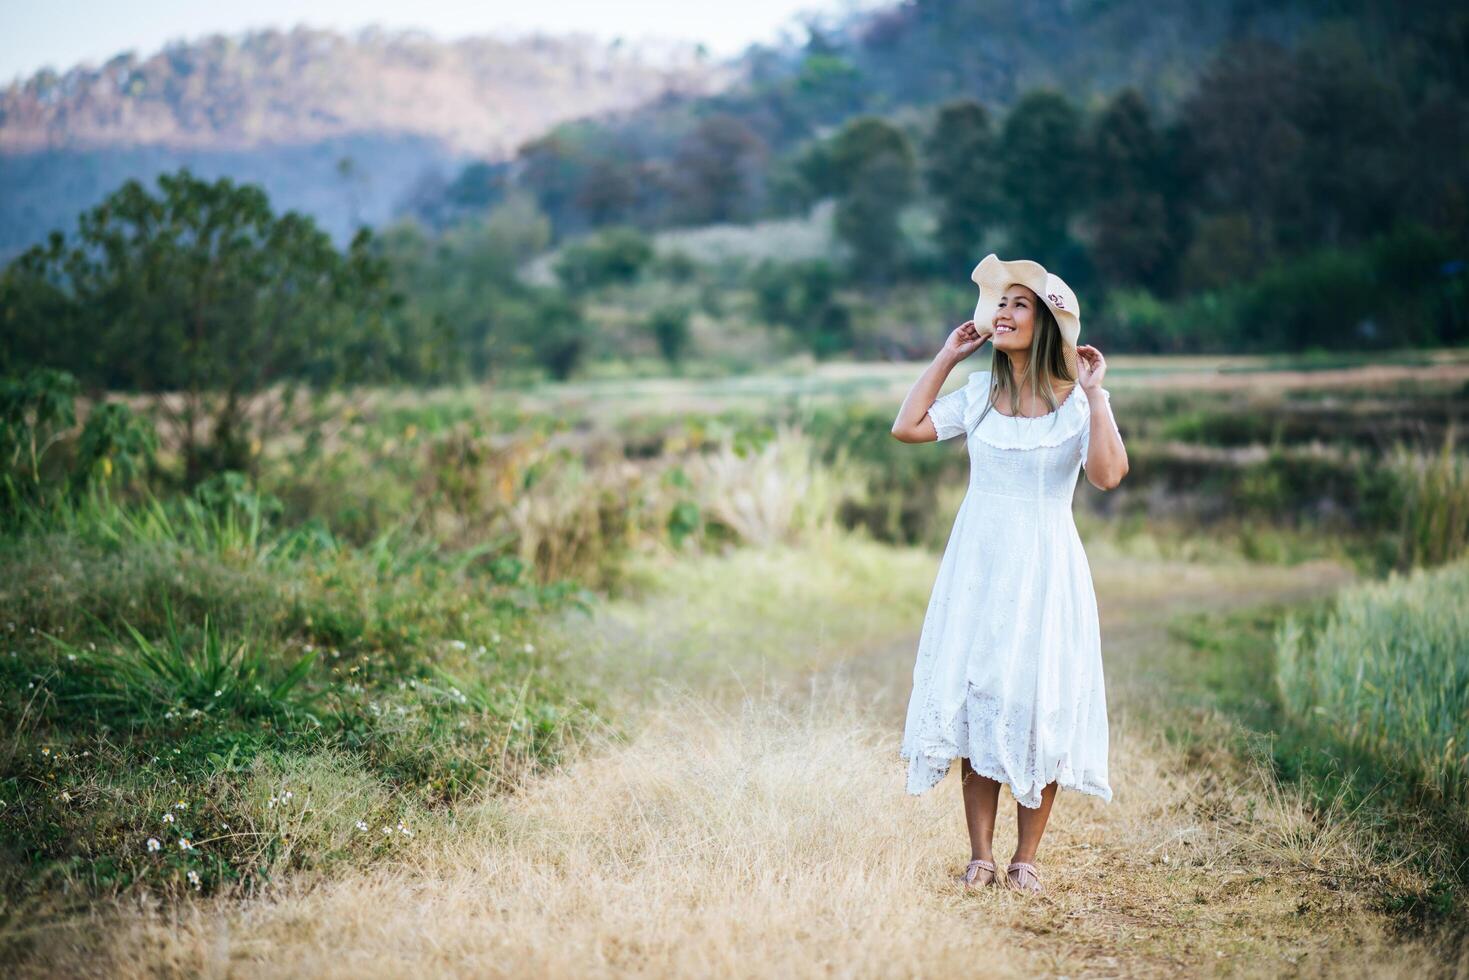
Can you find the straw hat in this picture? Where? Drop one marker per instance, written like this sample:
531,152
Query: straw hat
994,276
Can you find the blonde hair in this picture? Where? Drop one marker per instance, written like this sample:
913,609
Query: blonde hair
1047,364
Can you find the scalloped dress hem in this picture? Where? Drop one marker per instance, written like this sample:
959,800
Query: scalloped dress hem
927,771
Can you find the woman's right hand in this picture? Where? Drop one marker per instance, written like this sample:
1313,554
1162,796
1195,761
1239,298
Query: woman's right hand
966,339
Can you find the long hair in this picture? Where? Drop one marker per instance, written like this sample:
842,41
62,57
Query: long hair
1047,360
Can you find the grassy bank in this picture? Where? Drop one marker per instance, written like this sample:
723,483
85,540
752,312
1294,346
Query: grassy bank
1351,701
196,699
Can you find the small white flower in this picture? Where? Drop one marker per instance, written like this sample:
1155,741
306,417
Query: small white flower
308,648
271,804
185,844
529,648
458,644
167,817
218,693
387,830
45,751
288,795
194,878
362,825
404,830
181,805
154,844
71,656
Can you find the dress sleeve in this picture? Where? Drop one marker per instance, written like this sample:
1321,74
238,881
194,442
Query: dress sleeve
1086,430
948,411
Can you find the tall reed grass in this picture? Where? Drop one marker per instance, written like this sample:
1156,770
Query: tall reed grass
1388,672
1435,504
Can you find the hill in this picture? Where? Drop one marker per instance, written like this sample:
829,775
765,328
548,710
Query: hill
340,126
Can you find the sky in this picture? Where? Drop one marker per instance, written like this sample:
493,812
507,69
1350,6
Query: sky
64,33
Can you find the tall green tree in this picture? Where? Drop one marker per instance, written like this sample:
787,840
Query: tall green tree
872,168
1244,141
1042,173
1355,161
1133,240
204,296
963,177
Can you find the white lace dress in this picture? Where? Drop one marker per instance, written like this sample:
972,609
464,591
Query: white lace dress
1009,666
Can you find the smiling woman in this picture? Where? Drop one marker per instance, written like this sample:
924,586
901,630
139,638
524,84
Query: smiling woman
1008,673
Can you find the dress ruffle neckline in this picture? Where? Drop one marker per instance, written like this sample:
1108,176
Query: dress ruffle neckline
1021,431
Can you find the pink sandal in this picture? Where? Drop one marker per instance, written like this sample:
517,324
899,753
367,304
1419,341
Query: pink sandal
971,876
1022,876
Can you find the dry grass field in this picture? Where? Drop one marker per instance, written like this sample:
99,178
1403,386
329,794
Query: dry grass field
750,820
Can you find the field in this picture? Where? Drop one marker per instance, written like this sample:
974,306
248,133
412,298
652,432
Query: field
608,678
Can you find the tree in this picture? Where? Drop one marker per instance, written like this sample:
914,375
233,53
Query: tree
553,167
873,170
466,298
1243,139
1042,173
669,326
204,293
612,255
608,191
1358,121
1133,243
718,171
963,177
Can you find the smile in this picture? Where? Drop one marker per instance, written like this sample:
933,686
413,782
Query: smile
1004,329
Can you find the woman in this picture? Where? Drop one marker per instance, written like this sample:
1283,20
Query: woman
1009,667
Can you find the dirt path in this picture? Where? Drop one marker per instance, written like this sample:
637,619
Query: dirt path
769,835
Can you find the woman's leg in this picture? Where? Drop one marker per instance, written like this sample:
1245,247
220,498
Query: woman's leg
981,799
1031,823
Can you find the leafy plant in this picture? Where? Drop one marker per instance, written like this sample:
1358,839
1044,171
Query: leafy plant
208,674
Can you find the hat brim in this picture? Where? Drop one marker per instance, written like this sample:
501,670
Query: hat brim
994,275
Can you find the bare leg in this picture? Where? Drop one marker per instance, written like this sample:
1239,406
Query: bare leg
1031,824
981,799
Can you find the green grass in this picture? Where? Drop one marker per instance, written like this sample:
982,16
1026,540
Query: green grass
175,652
1226,668
1388,672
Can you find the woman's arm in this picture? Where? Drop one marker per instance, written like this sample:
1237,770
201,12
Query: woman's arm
913,423
1106,458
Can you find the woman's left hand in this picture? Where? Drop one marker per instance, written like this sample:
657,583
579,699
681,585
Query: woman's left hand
1091,365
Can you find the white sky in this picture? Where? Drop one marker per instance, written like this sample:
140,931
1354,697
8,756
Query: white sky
63,33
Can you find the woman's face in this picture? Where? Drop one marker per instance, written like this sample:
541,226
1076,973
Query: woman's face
1014,319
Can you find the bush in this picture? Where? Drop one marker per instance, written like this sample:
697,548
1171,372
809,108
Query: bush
613,255
42,455
669,326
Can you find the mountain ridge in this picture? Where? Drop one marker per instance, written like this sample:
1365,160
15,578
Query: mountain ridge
480,95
